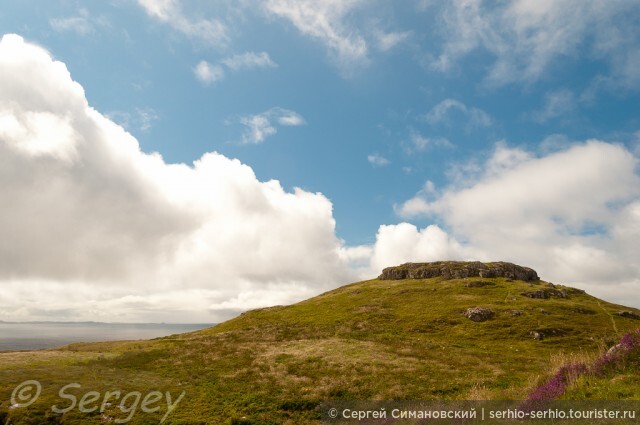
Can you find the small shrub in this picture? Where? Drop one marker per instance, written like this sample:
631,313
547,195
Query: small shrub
555,386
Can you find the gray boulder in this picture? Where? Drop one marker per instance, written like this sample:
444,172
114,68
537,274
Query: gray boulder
479,314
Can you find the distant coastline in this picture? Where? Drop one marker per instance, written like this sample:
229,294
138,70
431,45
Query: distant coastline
38,335
103,323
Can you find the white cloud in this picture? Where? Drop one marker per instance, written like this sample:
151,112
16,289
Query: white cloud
401,243
528,36
505,158
557,103
448,113
422,143
161,9
261,126
288,118
210,31
141,119
93,228
377,160
554,142
78,24
30,132
438,113
572,215
249,60
441,114
208,73
81,24
479,118
420,203
636,143
388,40
324,20
146,117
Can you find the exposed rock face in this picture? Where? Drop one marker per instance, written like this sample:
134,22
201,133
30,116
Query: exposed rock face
459,270
546,293
479,314
628,314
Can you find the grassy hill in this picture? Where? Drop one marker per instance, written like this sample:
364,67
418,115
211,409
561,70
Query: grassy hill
451,336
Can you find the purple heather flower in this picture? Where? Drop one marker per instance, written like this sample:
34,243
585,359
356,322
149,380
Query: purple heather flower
556,386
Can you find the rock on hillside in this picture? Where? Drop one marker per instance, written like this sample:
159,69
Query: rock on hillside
459,270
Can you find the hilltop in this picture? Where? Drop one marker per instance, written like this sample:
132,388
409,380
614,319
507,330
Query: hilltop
445,330
459,270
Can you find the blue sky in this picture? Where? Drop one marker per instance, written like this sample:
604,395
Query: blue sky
395,112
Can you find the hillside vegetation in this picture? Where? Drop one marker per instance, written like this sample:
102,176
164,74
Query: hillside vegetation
455,335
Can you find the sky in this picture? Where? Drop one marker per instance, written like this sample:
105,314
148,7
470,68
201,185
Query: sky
184,161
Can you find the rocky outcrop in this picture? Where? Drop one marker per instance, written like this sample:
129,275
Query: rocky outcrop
541,334
544,294
628,314
479,314
459,270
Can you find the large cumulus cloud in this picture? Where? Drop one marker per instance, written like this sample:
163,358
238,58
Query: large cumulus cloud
574,215
92,226
95,229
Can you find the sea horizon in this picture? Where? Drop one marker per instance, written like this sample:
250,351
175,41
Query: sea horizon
105,323
39,335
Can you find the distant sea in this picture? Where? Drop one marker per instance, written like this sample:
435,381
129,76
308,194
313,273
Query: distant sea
39,335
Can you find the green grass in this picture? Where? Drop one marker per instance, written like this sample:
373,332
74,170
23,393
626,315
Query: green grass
378,339
617,380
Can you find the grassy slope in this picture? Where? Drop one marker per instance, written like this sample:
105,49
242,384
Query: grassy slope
405,339
612,375
620,383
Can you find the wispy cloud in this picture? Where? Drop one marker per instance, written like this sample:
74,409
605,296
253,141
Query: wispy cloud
146,118
259,127
422,143
289,118
324,20
527,37
263,125
141,119
249,60
346,28
211,31
388,40
82,24
78,24
441,114
557,103
377,160
208,73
